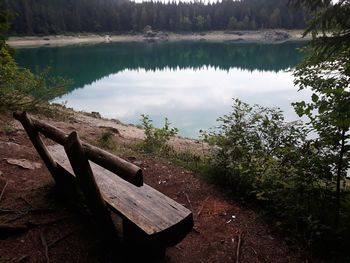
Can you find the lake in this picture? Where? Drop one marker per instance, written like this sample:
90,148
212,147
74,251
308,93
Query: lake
191,83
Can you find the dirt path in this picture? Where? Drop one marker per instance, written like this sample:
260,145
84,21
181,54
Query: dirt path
58,231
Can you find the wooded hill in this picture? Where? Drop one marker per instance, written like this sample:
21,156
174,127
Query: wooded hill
62,16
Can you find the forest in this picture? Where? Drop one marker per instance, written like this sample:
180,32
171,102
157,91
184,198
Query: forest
62,16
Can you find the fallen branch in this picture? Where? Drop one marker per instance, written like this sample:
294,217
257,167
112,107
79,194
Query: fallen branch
44,243
200,210
16,217
3,190
188,200
238,247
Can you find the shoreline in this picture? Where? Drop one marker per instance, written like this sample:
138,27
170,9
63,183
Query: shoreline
263,36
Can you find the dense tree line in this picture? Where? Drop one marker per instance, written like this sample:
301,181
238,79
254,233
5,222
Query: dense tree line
60,16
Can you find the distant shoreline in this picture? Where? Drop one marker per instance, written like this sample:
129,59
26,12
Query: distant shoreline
266,36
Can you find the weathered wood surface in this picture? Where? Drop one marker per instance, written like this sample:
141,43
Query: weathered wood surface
150,211
87,183
122,168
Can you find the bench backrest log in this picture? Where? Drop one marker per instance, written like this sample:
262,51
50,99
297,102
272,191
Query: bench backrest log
126,170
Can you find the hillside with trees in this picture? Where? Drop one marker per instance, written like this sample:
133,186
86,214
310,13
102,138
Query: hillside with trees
62,16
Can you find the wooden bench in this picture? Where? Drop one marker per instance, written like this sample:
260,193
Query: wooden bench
110,184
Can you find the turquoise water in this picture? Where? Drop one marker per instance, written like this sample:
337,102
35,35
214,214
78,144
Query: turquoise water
191,83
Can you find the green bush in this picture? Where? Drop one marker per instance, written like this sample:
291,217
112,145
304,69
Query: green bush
106,141
253,146
20,89
258,156
156,139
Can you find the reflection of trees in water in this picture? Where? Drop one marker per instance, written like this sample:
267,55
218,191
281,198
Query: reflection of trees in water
87,63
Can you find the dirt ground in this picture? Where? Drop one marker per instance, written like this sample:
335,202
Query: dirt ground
52,229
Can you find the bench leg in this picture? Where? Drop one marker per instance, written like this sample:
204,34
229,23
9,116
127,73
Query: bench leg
146,248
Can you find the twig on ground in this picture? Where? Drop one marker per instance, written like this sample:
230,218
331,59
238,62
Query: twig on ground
200,209
256,253
188,200
53,243
238,247
6,211
16,217
179,247
3,190
44,243
26,201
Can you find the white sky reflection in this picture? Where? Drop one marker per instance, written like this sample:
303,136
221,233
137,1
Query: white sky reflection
191,99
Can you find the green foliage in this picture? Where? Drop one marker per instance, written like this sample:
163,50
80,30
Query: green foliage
156,139
329,25
8,129
326,72
190,160
53,17
106,140
253,148
258,156
20,89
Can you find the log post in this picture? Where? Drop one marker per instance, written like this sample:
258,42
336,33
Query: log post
39,145
87,183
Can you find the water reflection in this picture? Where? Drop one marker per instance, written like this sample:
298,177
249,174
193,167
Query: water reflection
189,82
191,99
88,63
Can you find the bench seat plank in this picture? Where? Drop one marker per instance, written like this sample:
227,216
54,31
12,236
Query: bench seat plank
149,210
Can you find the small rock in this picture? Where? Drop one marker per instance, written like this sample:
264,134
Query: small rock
162,182
138,163
23,163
